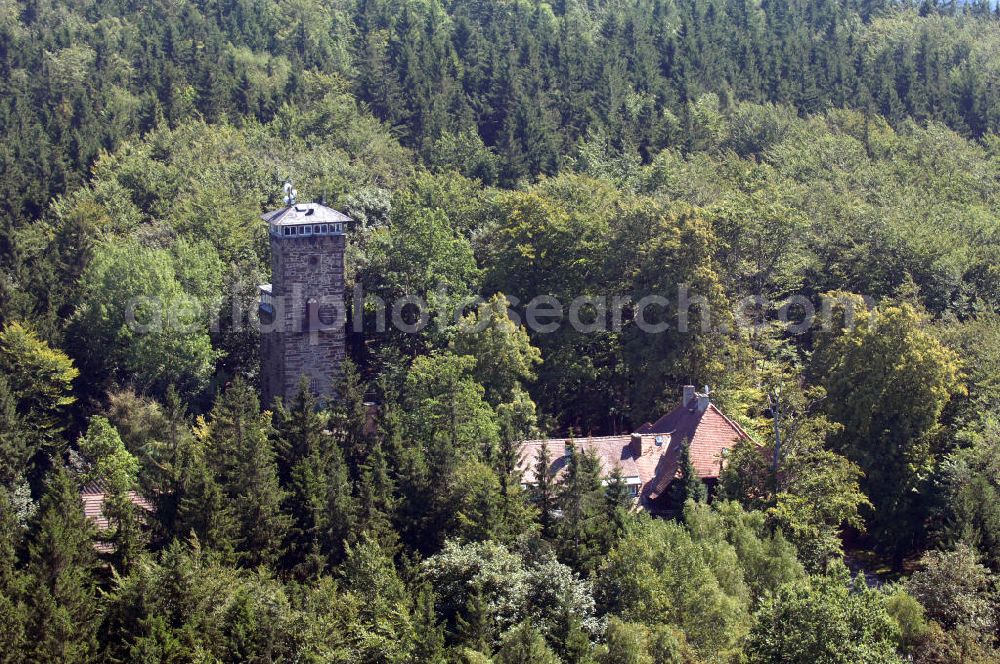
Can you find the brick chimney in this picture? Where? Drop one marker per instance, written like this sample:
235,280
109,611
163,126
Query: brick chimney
688,396
636,444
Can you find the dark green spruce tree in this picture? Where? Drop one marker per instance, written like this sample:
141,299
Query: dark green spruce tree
13,587
186,495
617,506
244,462
319,499
408,468
203,509
63,602
428,632
14,449
349,418
580,531
472,624
544,489
688,486
376,497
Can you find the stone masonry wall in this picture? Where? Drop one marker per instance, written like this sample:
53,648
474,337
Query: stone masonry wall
303,340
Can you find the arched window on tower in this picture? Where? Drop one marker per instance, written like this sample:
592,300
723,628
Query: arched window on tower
312,314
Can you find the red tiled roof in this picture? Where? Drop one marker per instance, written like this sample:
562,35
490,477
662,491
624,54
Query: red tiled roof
708,431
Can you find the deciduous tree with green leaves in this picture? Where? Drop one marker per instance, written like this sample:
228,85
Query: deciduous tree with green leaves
888,379
145,314
825,620
660,574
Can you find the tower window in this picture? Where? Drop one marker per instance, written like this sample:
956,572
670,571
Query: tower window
287,230
324,228
312,314
307,230
316,229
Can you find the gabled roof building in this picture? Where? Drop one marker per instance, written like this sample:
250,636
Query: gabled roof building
649,458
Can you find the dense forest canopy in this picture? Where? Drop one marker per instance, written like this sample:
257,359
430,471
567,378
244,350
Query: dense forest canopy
769,159
532,80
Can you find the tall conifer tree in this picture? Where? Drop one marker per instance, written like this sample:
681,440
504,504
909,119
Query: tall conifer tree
544,490
688,486
63,603
243,459
581,499
12,585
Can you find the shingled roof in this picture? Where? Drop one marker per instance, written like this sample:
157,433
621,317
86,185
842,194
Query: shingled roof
93,496
651,455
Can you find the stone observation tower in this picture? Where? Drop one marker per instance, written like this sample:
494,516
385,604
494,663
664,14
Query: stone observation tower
302,310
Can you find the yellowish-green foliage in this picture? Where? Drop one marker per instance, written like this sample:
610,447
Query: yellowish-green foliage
887,368
821,495
668,251
825,620
210,182
447,407
842,200
641,643
40,377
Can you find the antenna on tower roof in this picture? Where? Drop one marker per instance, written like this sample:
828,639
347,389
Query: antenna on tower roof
290,193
